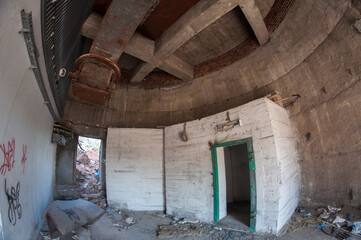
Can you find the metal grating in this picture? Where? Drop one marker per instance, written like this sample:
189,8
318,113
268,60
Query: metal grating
61,24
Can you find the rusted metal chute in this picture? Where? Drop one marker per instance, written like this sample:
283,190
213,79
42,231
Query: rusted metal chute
97,72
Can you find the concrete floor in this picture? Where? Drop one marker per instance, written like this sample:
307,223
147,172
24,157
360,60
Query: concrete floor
147,224
237,216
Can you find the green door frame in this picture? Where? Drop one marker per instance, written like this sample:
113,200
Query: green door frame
252,175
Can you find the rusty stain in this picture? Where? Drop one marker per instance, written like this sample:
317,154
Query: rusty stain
97,73
84,93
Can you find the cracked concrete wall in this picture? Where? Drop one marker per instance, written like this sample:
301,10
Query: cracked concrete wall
27,156
314,53
188,165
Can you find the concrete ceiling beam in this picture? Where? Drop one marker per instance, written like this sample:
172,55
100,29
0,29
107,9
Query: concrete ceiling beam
117,27
138,46
201,15
143,49
254,18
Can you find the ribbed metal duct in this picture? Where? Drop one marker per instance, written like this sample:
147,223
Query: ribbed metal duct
61,24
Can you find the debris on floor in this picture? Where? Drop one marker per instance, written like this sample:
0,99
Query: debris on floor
65,216
188,227
184,230
342,223
88,186
120,220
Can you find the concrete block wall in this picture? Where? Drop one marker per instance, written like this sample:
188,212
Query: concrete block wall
134,169
287,157
188,165
27,156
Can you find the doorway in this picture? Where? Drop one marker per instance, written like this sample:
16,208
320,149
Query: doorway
234,184
89,170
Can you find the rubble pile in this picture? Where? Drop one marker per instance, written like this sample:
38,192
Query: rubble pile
187,227
342,223
88,186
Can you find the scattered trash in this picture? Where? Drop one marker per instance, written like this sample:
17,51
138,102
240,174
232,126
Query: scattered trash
129,220
302,210
356,227
308,215
321,210
188,220
320,226
333,209
338,220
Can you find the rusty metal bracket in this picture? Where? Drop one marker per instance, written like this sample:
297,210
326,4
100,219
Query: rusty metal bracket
95,58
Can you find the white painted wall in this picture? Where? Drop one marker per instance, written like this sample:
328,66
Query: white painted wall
289,176
189,165
134,169
25,118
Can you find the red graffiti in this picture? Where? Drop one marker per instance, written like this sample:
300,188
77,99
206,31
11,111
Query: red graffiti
9,157
24,158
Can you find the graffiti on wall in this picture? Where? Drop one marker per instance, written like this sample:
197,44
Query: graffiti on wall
72,215
9,156
8,152
23,159
13,197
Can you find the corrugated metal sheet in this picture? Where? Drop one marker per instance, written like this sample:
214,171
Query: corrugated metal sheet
61,25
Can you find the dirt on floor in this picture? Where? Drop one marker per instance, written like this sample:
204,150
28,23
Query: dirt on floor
315,224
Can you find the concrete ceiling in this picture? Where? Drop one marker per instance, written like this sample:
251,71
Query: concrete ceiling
167,41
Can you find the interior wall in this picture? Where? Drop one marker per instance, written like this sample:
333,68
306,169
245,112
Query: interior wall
27,156
65,162
314,53
237,173
188,165
289,179
134,169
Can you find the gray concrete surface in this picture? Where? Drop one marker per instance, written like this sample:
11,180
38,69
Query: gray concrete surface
314,53
147,224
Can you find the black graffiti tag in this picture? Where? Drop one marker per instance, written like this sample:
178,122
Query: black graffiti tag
13,197
71,214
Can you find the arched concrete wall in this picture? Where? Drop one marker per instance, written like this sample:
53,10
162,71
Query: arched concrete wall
315,53
27,156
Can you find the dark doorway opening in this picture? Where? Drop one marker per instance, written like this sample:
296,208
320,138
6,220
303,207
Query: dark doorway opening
238,183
